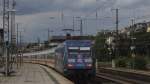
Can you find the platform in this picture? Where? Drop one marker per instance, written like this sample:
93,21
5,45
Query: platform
34,74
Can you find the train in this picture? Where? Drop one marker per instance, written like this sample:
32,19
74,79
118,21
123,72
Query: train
74,57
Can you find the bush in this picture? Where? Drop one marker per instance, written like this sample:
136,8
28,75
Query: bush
121,62
138,63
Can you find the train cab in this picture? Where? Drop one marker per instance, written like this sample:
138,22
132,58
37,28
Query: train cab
75,56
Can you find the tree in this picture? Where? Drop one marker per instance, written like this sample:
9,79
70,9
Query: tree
100,47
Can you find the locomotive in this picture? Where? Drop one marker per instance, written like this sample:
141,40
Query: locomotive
75,57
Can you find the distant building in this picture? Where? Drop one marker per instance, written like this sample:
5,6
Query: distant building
138,27
60,39
57,39
111,41
148,28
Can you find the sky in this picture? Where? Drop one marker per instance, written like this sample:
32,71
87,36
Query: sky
35,17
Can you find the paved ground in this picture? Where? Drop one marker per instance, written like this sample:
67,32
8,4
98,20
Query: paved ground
34,74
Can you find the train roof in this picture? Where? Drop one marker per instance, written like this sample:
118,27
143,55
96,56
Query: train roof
80,43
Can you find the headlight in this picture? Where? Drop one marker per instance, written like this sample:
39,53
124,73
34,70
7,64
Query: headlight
70,65
89,65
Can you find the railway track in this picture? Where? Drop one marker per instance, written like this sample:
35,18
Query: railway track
109,76
122,77
112,79
79,80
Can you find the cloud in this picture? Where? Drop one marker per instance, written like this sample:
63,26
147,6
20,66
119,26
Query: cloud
37,6
36,25
34,14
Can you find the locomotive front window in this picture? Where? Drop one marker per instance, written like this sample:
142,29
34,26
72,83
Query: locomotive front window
85,54
73,55
73,50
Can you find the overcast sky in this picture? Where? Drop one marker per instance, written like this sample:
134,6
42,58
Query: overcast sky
34,19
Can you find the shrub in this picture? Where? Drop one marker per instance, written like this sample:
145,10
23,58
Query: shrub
138,63
121,62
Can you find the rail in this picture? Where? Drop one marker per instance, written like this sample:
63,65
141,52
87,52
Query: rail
123,77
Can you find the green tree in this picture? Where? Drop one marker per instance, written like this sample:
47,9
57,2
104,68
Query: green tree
100,48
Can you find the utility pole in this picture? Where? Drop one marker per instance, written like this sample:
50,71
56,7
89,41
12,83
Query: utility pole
17,44
117,21
81,27
13,37
133,45
17,35
132,24
96,15
9,32
117,37
38,42
62,19
6,36
73,25
13,33
117,32
48,35
20,50
96,20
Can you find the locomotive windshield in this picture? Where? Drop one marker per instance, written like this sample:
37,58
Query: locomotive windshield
83,52
73,55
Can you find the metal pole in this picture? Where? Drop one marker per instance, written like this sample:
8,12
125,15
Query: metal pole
117,21
20,47
117,33
17,45
6,33
132,42
73,25
96,20
117,37
81,27
4,28
132,23
48,35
